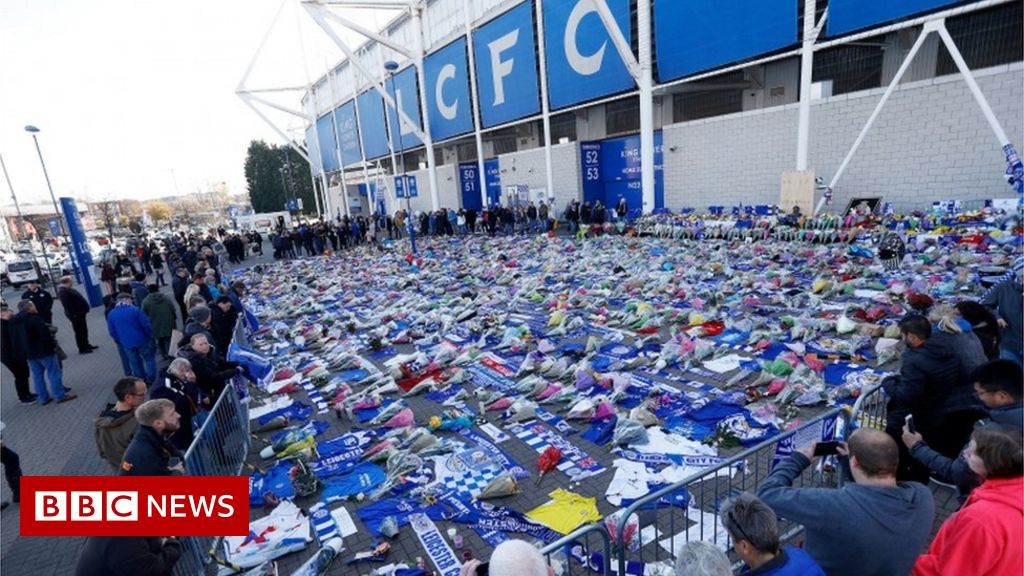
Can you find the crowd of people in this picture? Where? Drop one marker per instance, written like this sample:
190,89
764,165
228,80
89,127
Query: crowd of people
317,238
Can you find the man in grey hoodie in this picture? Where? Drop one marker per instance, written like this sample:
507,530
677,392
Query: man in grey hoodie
874,526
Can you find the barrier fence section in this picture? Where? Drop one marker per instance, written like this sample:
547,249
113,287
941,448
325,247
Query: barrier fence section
675,525
588,549
220,448
870,409
705,491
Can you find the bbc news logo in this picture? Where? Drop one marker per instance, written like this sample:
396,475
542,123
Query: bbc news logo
127,506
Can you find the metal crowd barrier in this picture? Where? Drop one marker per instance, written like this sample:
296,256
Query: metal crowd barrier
577,550
707,490
869,410
220,448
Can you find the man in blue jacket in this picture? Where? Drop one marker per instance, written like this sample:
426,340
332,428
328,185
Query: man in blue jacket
999,385
130,329
754,531
1007,300
874,526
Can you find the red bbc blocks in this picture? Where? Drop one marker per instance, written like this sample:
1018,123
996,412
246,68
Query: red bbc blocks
134,505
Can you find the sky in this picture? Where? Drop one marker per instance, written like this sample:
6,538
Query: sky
136,99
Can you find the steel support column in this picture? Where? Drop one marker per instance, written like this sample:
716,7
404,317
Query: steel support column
467,7
806,70
428,143
545,108
645,83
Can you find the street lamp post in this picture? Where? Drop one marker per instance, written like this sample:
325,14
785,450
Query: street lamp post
391,66
287,195
21,222
56,209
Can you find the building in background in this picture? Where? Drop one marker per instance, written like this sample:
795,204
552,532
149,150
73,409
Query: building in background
725,110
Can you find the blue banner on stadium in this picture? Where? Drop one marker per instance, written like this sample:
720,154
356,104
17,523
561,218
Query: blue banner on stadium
404,83
492,180
328,145
506,67
849,15
371,114
313,150
348,133
469,186
698,35
448,104
582,61
611,169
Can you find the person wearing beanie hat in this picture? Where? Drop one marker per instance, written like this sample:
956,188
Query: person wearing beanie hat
199,319
1007,300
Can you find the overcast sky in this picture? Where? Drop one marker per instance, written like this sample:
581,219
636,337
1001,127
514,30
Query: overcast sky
133,95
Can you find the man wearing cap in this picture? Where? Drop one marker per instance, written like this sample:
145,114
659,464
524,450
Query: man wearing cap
42,299
33,340
130,329
1007,300
75,308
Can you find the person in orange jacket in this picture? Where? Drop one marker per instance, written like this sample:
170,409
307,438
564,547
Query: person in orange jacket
984,537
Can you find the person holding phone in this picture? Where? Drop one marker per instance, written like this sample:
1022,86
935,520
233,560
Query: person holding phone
878,521
930,374
999,385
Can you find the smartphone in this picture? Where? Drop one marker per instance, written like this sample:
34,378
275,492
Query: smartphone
826,448
482,570
910,423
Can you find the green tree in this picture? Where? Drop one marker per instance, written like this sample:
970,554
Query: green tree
159,211
275,174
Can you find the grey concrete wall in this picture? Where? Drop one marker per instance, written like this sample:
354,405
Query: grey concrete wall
931,142
447,185
527,167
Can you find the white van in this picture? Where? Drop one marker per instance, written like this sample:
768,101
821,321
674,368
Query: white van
21,272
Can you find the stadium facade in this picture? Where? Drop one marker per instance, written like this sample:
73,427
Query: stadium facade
691,103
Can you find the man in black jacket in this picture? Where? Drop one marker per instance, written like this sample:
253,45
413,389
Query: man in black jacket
42,299
179,284
128,555
18,365
33,340
223,316
150,453
75,308
931,371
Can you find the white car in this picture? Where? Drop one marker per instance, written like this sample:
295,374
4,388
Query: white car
22,272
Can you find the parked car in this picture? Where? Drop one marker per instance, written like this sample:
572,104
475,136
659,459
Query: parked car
21,272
